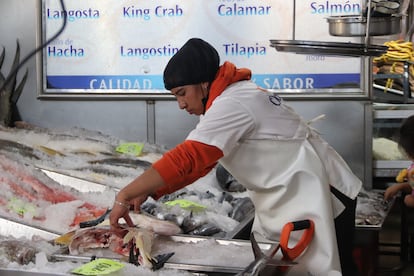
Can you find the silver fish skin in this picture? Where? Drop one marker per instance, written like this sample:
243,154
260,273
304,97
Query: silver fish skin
158,226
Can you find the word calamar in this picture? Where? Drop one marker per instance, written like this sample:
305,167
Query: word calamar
237,9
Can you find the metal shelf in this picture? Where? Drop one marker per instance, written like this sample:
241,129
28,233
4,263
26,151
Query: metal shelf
405,76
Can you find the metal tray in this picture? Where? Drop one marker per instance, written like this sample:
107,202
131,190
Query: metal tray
238,253
328,48
16,272
10,227
356,25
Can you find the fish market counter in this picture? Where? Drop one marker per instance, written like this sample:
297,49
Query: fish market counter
371,214
205,255
78,182
371,210
52,180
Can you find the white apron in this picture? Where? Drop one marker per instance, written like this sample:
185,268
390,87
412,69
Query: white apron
286,186
286,167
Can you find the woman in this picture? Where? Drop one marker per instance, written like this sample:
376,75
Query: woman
284,164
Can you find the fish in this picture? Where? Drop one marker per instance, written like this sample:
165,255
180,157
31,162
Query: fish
158,226
137,240
25,184
101,235
34,188
61,143
184,219
241,207
191,222
197,222
84,239
227,181
101,171
142,239
18,251
126,162
18,148
206,229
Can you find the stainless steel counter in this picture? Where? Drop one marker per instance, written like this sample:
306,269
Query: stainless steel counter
371,210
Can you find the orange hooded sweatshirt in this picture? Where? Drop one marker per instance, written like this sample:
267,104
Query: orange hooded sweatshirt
191,160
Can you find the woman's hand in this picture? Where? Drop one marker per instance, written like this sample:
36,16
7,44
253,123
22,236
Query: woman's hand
119,210
392,191
409,201
133,195
137,202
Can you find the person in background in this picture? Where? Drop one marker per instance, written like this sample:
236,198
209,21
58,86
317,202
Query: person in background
286,167
405,178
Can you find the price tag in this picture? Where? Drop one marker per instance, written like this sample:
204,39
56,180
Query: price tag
130,148
98,267
187,204
21,207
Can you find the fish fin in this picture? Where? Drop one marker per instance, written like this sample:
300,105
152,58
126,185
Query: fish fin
128,237
50,151
159,260
65,239
143,241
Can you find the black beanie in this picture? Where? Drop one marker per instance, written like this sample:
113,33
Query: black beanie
196,62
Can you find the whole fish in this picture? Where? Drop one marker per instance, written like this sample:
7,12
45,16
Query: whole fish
207,229
126,162
13,147
101,170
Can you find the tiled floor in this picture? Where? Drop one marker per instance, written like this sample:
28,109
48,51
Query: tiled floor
390,233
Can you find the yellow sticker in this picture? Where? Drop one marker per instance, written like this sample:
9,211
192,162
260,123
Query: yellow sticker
187,204
98,267
130,148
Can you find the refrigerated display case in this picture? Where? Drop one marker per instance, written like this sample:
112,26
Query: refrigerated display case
388,159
